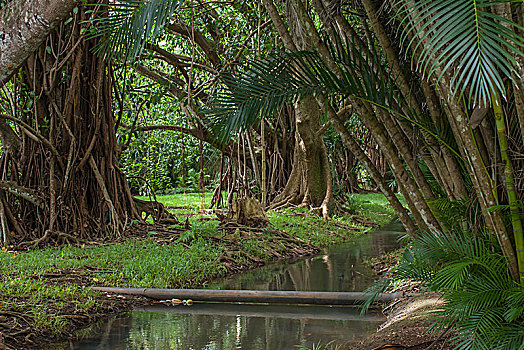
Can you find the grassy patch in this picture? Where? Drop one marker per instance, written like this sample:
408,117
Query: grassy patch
48,286
184,200
372,205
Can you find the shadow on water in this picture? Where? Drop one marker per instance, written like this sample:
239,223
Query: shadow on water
260,327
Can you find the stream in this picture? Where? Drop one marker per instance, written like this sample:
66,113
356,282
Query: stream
261,327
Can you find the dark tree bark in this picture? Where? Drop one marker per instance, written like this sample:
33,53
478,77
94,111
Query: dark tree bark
24,25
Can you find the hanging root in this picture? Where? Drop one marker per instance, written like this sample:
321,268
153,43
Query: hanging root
3,223
116,225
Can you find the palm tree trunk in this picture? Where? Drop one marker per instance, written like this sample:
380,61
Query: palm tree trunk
516,221
401,143
454,179
482,183
362,157
452,172
504,10
390,153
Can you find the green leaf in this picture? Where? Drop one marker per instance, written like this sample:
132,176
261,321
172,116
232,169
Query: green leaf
462,39
130,24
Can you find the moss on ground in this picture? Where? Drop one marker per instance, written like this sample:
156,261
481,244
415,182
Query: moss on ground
46,292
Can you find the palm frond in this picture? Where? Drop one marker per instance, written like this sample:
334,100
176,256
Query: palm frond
509,337
128,25
372,293
480,300
264,87
516,303
464,39
268,83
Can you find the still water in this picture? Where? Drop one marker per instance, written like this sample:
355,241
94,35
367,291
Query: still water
260,327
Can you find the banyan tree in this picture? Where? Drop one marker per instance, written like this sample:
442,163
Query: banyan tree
60,180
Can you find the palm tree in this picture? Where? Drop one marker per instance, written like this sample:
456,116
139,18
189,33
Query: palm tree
468,47
467,66
466,54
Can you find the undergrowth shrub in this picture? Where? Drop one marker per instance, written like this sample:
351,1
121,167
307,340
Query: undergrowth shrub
482,303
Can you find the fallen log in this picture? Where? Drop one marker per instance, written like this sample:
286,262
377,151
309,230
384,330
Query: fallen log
253,296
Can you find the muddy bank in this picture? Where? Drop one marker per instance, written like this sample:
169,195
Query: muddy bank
409,318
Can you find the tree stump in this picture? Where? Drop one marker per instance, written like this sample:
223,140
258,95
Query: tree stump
246,212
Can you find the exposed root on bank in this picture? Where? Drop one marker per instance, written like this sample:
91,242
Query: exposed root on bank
156,211
52,238
18,331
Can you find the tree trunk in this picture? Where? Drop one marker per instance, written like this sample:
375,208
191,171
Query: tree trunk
24,25
310,179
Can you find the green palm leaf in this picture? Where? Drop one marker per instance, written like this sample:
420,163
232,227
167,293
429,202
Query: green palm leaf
464,39
267,84
264,87
129,24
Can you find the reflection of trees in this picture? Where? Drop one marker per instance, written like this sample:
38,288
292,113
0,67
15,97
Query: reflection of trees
340,269
152,330
113,335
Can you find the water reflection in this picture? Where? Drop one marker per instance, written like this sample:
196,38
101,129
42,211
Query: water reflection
339,268
260,327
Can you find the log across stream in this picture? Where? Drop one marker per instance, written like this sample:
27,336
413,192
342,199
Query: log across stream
259,327
252,296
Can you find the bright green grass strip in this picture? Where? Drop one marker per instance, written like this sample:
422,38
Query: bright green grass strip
145,263
188,200
374,205
133,263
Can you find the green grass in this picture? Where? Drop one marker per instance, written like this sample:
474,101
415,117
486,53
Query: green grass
135,263
187,200
373,205
36,283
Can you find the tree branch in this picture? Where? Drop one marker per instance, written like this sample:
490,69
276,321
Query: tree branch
174,60
159,78
203,42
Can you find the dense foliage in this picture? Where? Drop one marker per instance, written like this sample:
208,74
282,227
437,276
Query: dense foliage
295,102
